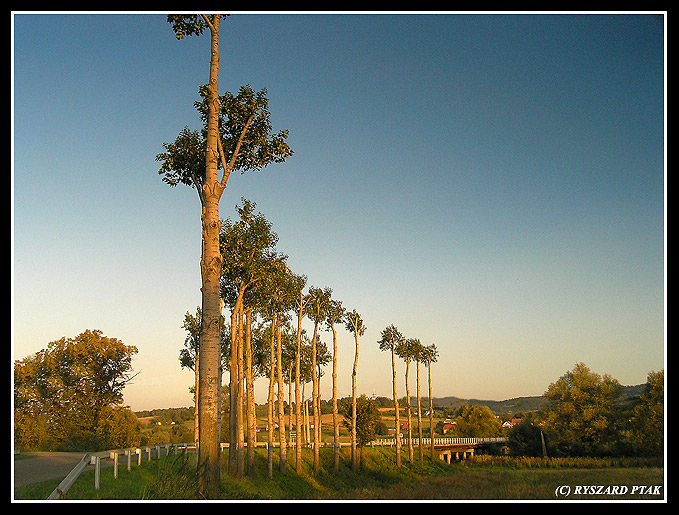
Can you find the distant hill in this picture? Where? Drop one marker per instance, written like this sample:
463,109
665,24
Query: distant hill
515,404
498,407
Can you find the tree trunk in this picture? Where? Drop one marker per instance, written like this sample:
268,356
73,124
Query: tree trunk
270,398
298,400
211,260
353,407
419,413
252,425
283,449
397,420
431,414
314,401
196,419
410,423
335,417
233,389
240,422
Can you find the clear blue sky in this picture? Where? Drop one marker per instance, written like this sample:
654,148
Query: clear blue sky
493,184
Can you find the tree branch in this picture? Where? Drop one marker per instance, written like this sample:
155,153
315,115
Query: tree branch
209,23
227,169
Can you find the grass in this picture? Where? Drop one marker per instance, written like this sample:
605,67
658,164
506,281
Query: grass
480,478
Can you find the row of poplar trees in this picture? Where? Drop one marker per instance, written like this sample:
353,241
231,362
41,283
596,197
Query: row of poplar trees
411,350
237,136
257,285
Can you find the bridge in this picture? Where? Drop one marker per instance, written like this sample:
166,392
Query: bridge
445,448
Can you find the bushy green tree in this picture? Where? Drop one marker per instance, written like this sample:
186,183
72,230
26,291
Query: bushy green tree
367,418
582,415
475,421
65,395
645,435
525,439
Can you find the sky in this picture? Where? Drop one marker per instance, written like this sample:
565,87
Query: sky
493,184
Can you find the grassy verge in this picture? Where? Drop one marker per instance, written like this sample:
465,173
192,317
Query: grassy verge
481,478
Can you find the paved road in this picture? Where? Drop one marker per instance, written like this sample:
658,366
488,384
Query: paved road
43,466
37,467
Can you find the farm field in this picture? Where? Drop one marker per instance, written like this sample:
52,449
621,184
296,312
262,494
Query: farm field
481,478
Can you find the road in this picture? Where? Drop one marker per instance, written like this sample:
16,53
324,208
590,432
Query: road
36,467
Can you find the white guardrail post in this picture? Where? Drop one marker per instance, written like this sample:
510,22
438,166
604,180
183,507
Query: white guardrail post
95,459
70,479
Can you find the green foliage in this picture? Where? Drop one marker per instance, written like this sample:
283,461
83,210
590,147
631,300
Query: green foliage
391,339
525,439
248,253
187,24
586,416
646,432
367,418
247,142
354,323
581,417
476,422
67,397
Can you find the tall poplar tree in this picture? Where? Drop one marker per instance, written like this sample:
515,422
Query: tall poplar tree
300,310
407,351
194,159
209,192
431,355
391,339
319,303
335,315
419,358
354,324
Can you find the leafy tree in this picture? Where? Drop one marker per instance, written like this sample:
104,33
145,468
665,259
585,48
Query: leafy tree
367,417
284,299
236,136
318,304
334,315
247,246
272,294
420,357
391,340
119,428
525,439
580,419
300,310
646,433
354,324
188,358
209,190
408,351
477,422
64,395
430,355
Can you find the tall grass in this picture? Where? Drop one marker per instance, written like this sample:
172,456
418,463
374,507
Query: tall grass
481,477
578,462
175,478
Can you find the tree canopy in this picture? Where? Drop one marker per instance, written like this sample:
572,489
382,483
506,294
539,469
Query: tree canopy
65,394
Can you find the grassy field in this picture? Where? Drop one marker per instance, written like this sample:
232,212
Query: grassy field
481,478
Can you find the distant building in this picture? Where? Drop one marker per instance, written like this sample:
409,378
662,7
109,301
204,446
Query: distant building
448,426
